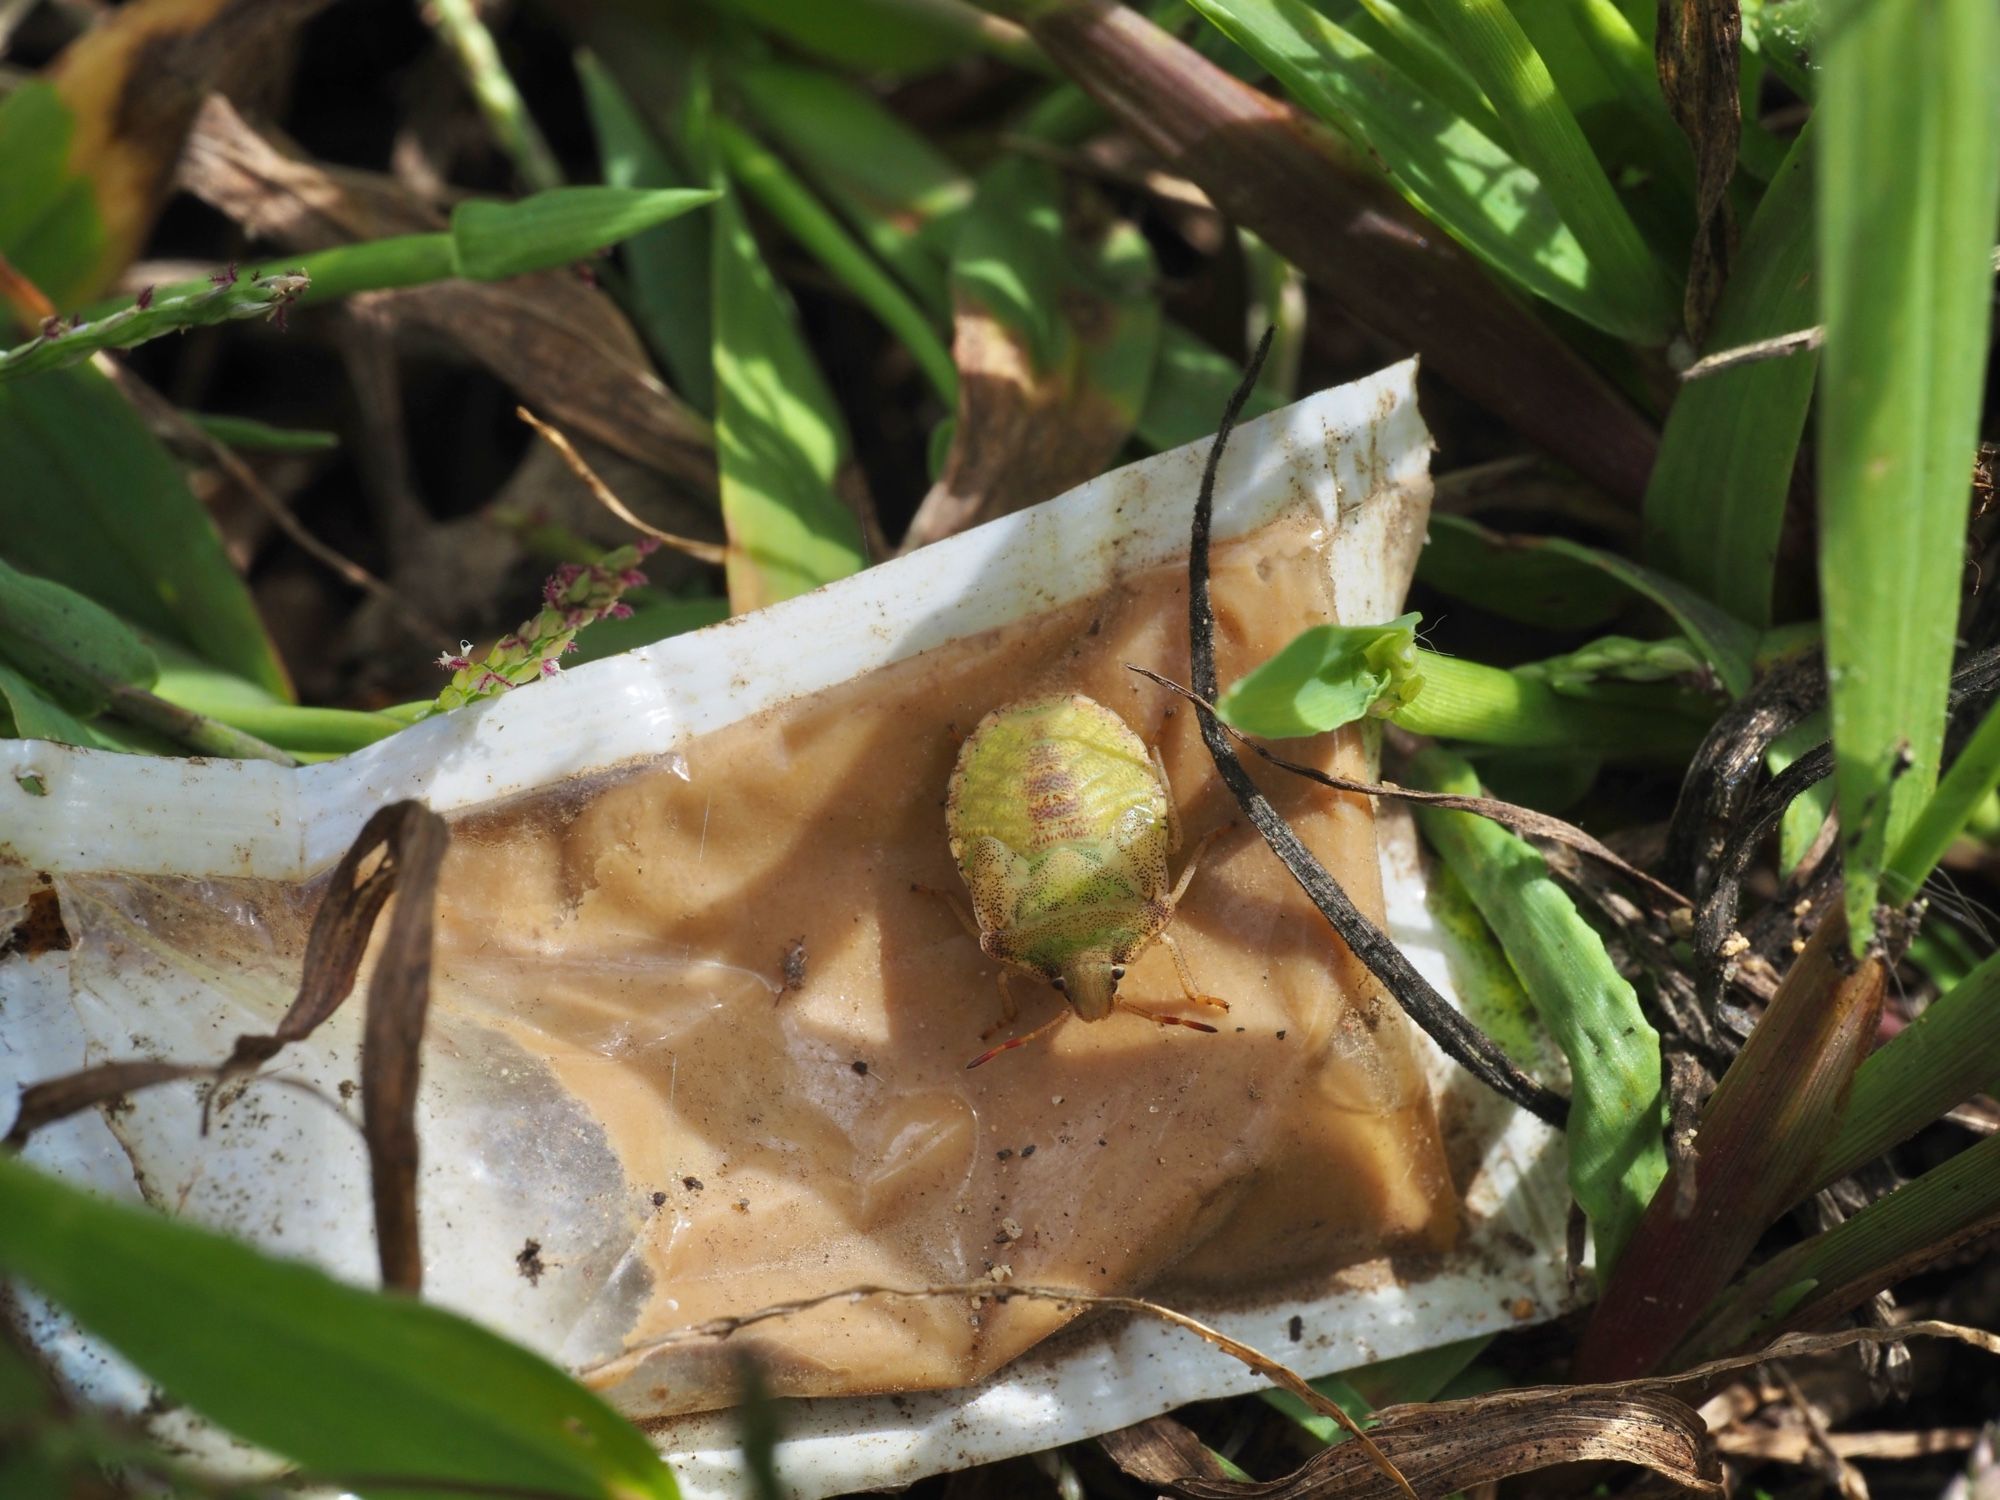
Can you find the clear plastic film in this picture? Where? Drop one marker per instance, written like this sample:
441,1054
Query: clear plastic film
701,1022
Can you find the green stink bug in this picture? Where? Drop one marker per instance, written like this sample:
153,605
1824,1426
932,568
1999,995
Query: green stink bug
1060,821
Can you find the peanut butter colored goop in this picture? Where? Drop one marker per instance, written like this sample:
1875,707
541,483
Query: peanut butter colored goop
723,957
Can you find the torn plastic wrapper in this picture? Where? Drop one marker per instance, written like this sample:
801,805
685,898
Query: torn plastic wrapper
700,1037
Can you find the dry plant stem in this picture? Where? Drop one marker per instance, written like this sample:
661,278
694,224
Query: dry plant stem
411,841
1461,1041
163,415
1522,820
1781,347
708,552
1275,171
1755,1157
1264,1365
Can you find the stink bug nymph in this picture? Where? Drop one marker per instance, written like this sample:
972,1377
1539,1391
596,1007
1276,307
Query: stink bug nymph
1061,822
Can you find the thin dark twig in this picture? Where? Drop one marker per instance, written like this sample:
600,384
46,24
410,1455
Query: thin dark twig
1462,1041
1522,820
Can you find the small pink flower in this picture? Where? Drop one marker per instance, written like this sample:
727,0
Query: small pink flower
145,298
225,277
646,546
619,611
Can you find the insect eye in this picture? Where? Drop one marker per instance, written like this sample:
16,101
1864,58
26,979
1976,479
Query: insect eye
1117,972
1059,982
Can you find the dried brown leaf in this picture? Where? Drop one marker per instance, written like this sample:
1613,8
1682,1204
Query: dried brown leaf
410,840
562,345
1696,51
1161,1451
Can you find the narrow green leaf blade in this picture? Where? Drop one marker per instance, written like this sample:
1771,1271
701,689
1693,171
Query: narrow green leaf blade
91,500
1909,187
902,195
27,713
1488,199
1545,137
341,1380
666,266
1728,643
1617,1150
779,438
1716,501
1191,382
69,647
1515,577
495,240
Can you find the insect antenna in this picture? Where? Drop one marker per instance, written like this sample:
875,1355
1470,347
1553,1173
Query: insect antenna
1026,1037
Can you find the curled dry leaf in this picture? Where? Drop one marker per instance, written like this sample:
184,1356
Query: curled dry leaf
411,841
559,343
1695,50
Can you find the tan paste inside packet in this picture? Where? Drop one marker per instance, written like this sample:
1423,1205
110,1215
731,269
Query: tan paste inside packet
725,958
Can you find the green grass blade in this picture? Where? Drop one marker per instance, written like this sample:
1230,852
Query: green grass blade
248,435
492,241
781,444
1608,78
1617,1151
902,195
666,267
1817,1280
188,682
1909,191
1515,577
1546,138
466,34
1486,198
28,713
340,1380
64,344
91,500
792,204
1482,705
890,36
49,224
1937,1062
71,648
1716,502
1191,383
1965,787
1727,642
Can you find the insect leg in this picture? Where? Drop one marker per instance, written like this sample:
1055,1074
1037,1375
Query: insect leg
1188,986
952,904
1194,861
1008,1009
1160,1017
1042,1030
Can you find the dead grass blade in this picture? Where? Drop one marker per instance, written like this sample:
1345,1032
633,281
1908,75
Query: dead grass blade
558,342
708,552
1696,51
1461,1041
411,841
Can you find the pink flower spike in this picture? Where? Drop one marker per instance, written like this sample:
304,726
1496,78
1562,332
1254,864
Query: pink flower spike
632,578
225,277
549,669
145,298
52,326
646,546
619,611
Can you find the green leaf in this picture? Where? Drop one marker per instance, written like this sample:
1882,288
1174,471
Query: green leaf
902,195
186,681
780,442
340,1380
1617,1153
792,205
495,240
1417,1376
653,618
888,36
1950,1052
1468,182
1191,382
248,435
1546,138
1327,676
69,647
1961,793
666,267
1909,194
1617,658
91,500
30,714
1516,578
49,225
1729,645
1716,502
